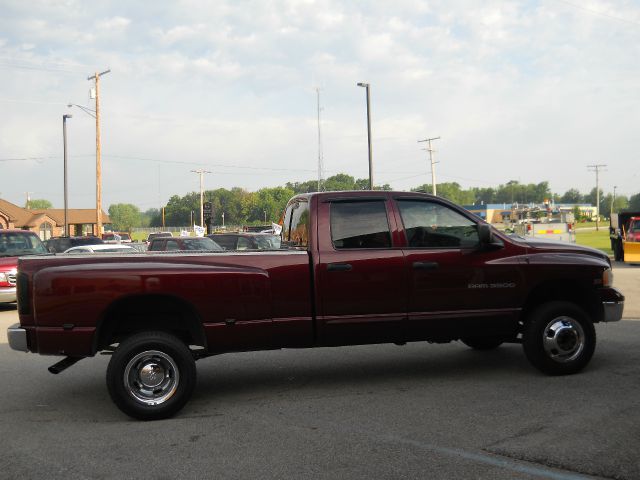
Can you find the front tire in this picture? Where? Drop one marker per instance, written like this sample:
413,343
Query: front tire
151,375
559,338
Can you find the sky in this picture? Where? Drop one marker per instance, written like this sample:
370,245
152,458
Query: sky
516,90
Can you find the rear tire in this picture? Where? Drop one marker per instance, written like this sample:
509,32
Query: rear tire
559,338
151,375
482,343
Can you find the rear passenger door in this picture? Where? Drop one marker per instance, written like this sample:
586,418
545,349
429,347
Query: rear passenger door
362,290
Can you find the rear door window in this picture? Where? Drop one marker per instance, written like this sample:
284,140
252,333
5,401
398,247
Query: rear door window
360,225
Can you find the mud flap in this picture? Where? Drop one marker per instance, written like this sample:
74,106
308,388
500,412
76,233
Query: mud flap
631,251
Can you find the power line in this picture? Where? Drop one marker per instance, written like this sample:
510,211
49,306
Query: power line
38,68
601,14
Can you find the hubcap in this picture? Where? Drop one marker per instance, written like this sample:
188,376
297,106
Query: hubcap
563,339
151,377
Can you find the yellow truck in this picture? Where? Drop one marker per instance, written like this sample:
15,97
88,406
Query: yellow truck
624,232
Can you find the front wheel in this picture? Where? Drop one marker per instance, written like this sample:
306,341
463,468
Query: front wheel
559,338
151,375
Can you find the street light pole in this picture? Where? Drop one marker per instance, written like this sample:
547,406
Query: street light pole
66,204
367,86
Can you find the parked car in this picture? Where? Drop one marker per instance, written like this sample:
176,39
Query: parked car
62,244
246,241
116,237
153,235
104,248
14,244
163,244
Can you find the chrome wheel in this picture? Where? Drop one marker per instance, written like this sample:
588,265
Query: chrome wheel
151,377
563,339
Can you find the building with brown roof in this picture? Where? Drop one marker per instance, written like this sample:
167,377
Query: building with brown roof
49,222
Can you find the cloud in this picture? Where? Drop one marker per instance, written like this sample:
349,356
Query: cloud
513,89
113,24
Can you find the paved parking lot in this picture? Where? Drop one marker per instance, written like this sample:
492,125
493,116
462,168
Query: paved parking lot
382,411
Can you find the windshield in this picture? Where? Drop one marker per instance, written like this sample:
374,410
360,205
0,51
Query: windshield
14,244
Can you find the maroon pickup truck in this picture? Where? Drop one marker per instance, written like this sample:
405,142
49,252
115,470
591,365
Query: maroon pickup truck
355,268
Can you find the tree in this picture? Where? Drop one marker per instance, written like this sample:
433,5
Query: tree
449,190
484,195
272,201
151,218
621,202
39,204
124,216
571,196
590,197
634,202
339,182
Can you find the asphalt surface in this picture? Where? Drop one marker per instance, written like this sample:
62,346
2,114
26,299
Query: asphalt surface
381,411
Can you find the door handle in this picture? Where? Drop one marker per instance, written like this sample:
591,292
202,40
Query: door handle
339,267
425,265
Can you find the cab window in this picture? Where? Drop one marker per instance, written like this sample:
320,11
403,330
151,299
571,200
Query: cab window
360,225
432,225
296,224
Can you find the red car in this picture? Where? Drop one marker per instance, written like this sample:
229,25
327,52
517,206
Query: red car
15,243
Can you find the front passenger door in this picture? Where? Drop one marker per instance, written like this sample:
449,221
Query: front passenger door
455,287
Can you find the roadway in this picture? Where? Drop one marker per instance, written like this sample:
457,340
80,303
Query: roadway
382,411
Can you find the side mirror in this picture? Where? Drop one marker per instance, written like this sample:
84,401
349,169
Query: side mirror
51,250
486,237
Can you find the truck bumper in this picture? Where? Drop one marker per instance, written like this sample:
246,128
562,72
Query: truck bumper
612,304
17,338
612,311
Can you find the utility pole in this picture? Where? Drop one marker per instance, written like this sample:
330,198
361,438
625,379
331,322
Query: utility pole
613,200
96,78
320,159
432,161
28,200
201,173
596,168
